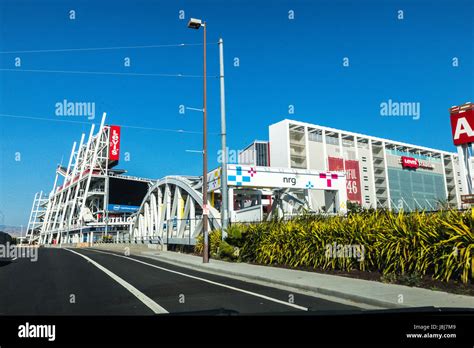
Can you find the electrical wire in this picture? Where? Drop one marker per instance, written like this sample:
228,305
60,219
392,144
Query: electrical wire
107,73
106,48
182,131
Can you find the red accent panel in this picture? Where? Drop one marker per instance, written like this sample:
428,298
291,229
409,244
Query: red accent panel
335,163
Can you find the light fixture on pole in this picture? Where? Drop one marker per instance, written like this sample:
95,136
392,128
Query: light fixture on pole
196,24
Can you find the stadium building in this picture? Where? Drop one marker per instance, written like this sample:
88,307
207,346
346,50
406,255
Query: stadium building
91,199
380,173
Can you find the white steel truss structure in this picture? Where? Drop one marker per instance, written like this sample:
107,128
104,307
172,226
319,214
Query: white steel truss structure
171,212
35,222
82,195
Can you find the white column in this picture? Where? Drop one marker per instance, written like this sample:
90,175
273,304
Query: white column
179,208
306,147
356,147
372,173
386,175
192,217
325,151
231,203
444,176
146,214
288,154
159,208
168,212
341,150
456,184
154,214
465,166
82,156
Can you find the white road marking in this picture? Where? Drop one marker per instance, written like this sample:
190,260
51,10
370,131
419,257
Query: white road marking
209,281
155,307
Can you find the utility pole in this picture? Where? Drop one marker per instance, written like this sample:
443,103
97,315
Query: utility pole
224,190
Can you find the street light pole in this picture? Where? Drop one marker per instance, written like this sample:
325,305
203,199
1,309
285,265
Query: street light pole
196,24
205,209
224,190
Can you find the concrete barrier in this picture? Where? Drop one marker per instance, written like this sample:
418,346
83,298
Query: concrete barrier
122,247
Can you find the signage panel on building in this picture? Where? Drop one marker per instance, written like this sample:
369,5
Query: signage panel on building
214,179
114,143
413,163
353,181
122,208
268,177
409,162
462,126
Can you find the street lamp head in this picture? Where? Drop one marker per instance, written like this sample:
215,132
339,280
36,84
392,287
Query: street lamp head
195,23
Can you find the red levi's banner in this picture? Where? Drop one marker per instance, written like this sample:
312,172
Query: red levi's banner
352,177
114,145
409,162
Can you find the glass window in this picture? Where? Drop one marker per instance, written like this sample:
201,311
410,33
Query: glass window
415,189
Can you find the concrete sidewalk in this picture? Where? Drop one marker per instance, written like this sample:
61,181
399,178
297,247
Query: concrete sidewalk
363,291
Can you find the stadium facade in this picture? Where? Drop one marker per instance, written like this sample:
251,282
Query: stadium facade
381,173
302,168
88,195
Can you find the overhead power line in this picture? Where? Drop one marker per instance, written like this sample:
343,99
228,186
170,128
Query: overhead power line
182,131
106,48
105,73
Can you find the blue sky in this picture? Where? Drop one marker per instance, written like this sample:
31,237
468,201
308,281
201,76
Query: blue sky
282,62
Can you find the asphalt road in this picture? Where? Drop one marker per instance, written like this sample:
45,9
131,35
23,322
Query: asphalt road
86,282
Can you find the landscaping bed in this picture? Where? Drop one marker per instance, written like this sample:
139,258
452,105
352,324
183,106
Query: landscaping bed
429,250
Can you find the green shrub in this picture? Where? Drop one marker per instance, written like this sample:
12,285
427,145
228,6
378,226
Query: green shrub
226,251
439,244
236,234
354,207
215,238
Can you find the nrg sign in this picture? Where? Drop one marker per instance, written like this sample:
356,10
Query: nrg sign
462,124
